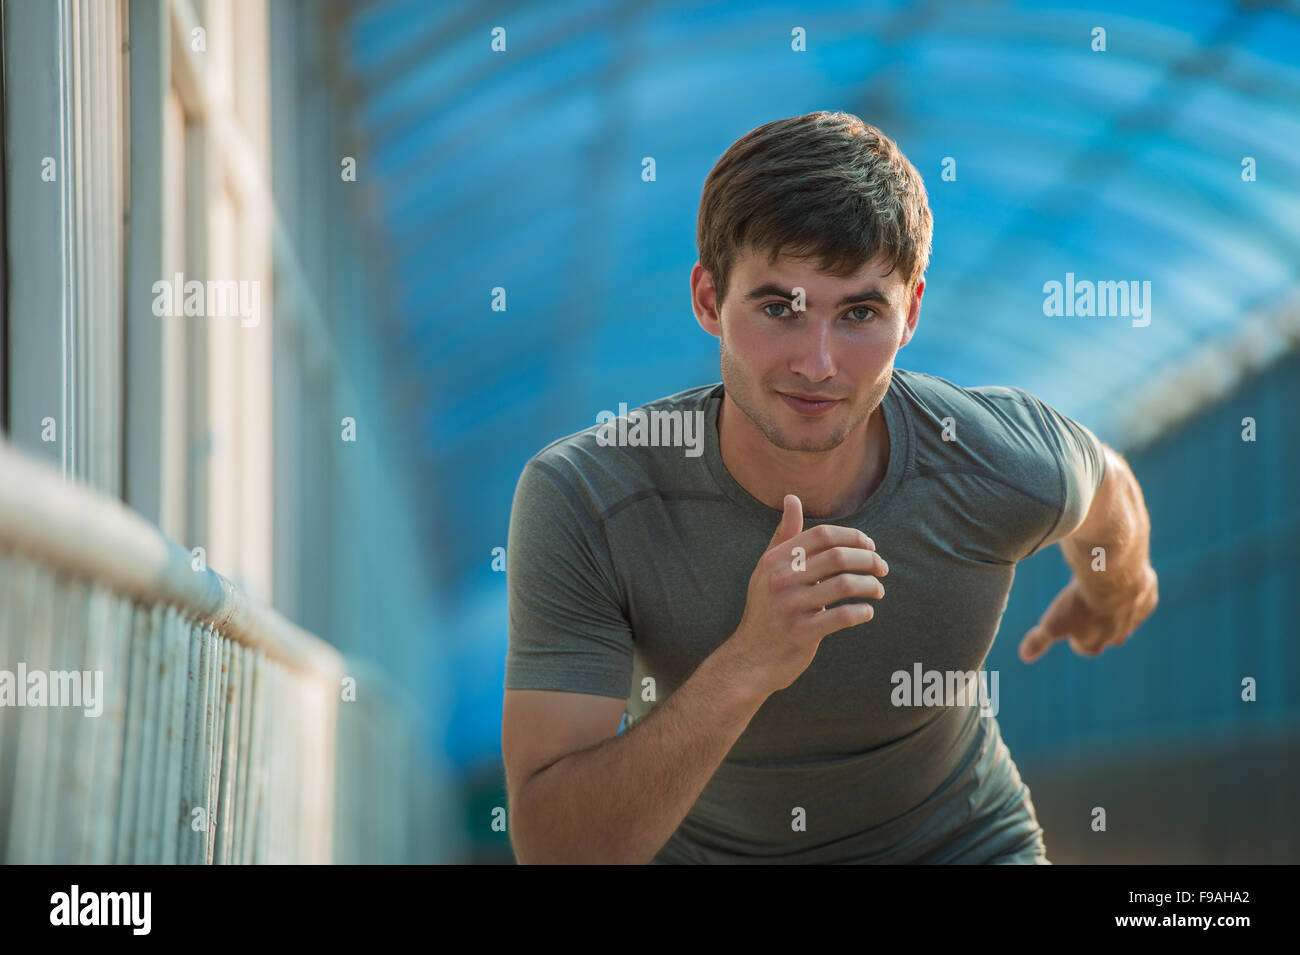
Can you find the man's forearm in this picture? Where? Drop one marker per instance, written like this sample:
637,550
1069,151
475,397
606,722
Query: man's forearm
618,802
1119,524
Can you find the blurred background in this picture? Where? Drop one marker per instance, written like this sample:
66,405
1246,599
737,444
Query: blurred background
460,252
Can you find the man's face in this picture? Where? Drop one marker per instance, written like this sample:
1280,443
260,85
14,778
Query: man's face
840,348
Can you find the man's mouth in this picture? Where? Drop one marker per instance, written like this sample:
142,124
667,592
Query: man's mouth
810,405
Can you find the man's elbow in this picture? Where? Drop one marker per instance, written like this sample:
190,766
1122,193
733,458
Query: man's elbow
521,829
534,839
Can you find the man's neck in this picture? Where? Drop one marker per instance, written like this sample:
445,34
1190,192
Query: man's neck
829,483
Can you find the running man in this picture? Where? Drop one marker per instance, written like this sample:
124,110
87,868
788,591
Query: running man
750,600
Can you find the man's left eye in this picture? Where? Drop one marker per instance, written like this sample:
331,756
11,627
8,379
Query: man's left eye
867,312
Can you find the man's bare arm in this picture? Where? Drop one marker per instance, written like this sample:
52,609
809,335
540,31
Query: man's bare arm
1113,590
1117,522
619,801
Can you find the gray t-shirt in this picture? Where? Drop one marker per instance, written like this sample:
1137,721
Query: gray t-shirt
626,562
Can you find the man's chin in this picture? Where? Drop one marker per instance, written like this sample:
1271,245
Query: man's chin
796,432
792,440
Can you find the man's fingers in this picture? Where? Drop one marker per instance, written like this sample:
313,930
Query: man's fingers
825,536
1085,650
1035,644
841,560
843,587
791,521
845,615
790,534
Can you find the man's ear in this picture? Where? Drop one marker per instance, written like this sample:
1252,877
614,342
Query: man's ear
704,300
914,314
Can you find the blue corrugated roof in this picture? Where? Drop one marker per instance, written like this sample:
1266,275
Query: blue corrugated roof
523,170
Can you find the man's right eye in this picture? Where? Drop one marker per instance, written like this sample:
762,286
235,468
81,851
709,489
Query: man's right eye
774,305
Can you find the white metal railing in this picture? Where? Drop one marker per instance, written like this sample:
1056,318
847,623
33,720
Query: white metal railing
206,726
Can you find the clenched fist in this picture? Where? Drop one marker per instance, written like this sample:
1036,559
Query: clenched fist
796,579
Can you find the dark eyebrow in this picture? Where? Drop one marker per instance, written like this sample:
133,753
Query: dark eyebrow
871,294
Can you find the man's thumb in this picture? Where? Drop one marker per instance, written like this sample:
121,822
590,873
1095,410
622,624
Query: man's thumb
1035,643
791,521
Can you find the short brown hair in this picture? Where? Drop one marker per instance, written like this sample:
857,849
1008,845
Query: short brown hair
825,185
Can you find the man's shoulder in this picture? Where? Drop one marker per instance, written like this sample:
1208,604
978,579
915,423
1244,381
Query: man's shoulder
975,409
1001,429
630,449
1001,451
933,388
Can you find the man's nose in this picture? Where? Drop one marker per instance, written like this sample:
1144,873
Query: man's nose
813,359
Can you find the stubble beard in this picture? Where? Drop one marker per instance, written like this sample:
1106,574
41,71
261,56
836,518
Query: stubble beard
749,399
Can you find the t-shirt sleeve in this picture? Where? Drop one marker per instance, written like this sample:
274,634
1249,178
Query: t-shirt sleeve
568,630
1081,463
